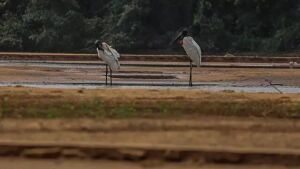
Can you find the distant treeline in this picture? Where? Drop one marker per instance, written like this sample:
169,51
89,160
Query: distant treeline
149,25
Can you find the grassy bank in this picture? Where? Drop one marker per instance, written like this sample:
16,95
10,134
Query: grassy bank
124,103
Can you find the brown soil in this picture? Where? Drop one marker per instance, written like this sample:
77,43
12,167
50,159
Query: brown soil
259,137
214,132
253,136
12,163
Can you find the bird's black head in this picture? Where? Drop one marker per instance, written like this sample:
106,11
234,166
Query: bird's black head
98,44
184,33
180,37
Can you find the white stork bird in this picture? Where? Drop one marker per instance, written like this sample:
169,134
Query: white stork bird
110,56
192,49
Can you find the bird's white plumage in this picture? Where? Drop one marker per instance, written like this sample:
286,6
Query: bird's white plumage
111,50
110,56
192,49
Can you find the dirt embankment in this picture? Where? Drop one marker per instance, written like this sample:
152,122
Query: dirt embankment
201,141
141,126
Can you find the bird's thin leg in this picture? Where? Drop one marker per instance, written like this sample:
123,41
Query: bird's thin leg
191,72
106,73
110,77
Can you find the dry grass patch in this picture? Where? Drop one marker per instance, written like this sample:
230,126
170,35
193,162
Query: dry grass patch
126,103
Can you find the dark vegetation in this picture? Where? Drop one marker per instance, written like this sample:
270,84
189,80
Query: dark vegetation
149,25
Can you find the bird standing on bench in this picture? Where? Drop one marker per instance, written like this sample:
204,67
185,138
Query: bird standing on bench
110,56
192,49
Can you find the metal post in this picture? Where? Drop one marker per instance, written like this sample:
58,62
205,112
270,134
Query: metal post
106,75
110,77
191,71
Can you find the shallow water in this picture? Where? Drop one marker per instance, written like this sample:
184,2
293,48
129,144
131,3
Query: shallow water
230,86
162,86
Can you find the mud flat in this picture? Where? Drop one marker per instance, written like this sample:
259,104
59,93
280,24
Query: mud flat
92,76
